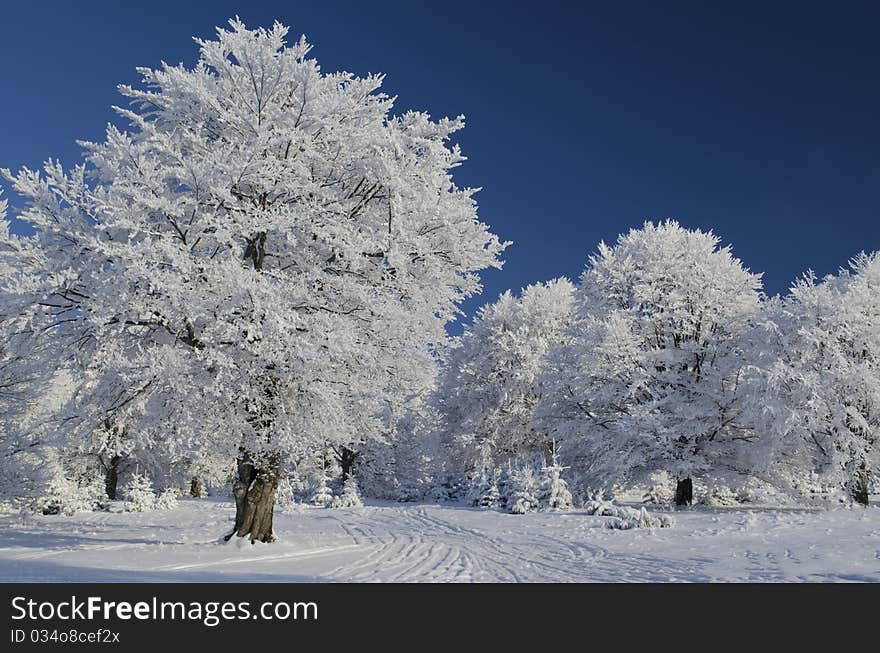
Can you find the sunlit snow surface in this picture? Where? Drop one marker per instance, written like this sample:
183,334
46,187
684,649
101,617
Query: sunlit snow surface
442,543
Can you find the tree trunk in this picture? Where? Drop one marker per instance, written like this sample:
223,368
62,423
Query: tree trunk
254,493
111,477
347,458
859,486
196,488
684,492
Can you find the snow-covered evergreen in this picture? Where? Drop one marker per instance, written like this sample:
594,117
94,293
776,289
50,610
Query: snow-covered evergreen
166,499
323,495
62,494
139,493
349,497
555,494
523,489
284,496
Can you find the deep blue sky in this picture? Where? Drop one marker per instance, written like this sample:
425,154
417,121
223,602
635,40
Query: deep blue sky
584,119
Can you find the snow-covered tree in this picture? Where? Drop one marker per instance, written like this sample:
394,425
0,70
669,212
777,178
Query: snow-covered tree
650,377
480,484
491,383
323,495
284,492
350,496
820,408
555,494
139,493
59,490
523,490
253,267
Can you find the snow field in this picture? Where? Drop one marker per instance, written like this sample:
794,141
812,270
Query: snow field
441,543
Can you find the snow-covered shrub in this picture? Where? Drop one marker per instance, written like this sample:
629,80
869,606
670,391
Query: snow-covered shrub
484,489
478,483
492,498
757,491
657,494
323,495
503,479
297,485
408,491
166,499
601,507
524,491
284,493
555,494
624,518
350,498
449,489
627,518
139,494
65,496
661,490
721,495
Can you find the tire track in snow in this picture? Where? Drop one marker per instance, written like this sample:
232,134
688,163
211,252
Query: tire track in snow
408,550
301,553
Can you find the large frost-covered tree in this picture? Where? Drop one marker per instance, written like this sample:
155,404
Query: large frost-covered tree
820,408
252,266
491,383
650,376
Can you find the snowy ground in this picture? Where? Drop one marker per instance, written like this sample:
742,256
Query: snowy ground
427,542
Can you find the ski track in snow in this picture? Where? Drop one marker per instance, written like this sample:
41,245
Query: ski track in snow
442,543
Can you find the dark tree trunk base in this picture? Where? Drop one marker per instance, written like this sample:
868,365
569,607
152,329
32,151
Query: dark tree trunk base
684,492
859,486
254,493
196,488
111,477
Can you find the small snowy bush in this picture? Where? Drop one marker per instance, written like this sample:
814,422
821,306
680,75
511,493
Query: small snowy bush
323,495
492,497
478,485
662,489
350,498
448,490
410,490
524,490
597,504
166,500
555,494
67,497
297,486
484,490
720,496
139,494
628,518
625,518
284,493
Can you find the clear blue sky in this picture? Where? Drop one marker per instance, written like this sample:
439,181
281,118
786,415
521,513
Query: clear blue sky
759,121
